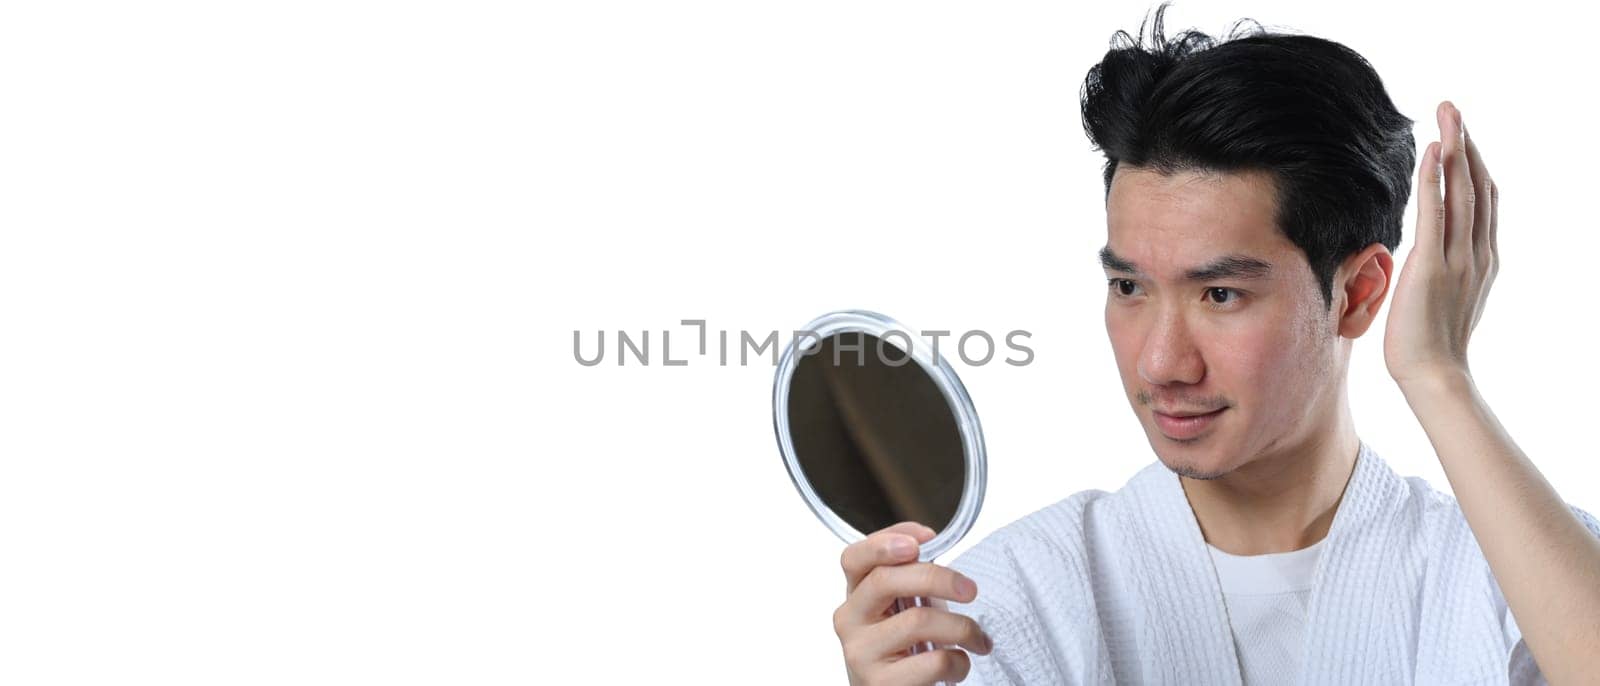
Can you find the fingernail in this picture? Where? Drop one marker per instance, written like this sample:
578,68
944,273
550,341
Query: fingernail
966,587
988,643
900,546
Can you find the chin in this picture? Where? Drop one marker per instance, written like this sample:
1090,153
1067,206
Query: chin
1196,474
1188,460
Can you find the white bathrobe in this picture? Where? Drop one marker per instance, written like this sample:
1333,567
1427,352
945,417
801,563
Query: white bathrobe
1104,588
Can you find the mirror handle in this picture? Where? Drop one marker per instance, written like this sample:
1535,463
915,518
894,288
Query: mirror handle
902,604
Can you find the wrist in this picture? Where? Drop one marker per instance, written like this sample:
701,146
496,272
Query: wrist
1435,381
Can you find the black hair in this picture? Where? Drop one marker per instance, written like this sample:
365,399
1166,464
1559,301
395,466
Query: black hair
1311,112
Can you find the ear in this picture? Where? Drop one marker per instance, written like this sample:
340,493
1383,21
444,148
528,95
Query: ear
1360,287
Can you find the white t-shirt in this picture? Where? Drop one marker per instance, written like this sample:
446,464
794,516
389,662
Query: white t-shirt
1267,597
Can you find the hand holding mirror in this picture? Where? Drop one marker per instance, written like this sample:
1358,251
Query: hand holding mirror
875,429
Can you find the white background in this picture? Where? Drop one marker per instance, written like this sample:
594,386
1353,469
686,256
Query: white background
288,292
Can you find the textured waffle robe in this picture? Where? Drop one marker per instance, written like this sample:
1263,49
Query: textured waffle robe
1104,588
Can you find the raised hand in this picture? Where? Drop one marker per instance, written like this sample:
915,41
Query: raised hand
1445,282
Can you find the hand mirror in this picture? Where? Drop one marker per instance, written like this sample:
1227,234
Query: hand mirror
875,429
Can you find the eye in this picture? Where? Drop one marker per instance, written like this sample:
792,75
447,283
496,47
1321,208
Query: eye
1122,287
1222,296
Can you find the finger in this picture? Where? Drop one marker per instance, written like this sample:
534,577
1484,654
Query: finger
925,624
1494,253
878,590
1494,224
887,546
1481,185
944,664
1494,220
1459,203
1430,205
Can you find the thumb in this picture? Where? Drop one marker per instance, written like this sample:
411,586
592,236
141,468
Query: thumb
1430,205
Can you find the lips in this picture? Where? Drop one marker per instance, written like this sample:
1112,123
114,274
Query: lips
1187,424
1187,414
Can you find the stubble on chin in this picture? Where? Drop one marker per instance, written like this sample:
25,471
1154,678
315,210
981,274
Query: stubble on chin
1182,466
1195,473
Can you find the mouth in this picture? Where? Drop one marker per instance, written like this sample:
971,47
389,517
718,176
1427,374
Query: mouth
1187,425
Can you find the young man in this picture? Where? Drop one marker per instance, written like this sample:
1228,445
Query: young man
1255,191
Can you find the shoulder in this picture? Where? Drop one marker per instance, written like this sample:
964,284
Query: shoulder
1439,514
1033,543
1036,594
1428,509
1061,529
1046,560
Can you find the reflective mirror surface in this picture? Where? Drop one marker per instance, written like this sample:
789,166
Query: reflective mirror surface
876,429
875,437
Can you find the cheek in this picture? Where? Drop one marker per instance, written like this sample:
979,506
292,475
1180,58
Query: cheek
1248,365
1269,365
1271,356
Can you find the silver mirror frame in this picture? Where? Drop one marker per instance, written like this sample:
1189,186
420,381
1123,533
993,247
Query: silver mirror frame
955,394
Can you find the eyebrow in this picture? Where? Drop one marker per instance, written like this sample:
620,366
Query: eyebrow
1225,267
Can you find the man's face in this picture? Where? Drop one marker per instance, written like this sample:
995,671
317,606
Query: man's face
1210,306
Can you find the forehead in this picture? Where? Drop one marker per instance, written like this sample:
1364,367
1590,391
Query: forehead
1171,222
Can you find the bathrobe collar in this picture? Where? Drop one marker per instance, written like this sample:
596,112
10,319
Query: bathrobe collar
1185,619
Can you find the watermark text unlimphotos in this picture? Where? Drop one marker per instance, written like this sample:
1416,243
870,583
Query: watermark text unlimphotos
894,348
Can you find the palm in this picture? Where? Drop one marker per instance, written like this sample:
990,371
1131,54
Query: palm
1442,287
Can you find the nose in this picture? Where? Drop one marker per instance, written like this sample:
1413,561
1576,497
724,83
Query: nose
1170,355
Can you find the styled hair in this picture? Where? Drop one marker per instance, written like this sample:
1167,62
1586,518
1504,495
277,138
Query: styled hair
1311,112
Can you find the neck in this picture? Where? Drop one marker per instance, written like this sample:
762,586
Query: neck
1284,499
